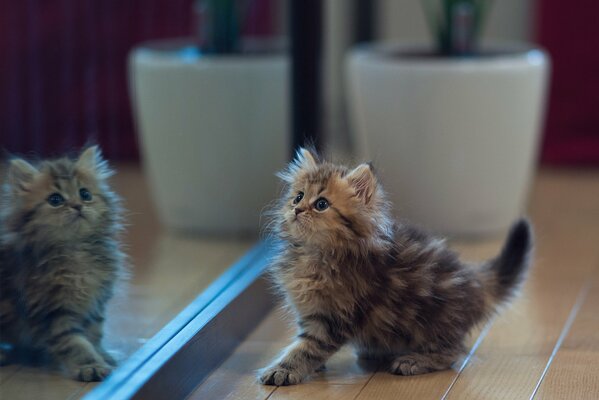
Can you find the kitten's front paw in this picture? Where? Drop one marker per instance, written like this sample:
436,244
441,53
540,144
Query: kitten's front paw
280,376
408,365
93,372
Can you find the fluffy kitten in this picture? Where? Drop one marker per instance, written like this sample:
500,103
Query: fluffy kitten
352,275
59,260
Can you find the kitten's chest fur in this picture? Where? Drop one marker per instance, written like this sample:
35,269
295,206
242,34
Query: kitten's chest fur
79,276
316,282
74,266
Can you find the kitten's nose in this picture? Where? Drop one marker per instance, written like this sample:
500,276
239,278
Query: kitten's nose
77,207
299,210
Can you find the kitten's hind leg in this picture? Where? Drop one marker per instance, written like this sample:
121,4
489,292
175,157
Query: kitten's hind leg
422,363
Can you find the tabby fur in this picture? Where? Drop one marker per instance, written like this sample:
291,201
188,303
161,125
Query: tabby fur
352,275
59,264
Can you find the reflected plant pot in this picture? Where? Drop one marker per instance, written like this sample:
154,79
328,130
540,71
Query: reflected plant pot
454,139
213,130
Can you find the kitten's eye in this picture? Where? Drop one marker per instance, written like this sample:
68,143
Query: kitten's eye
55,200
321,204
298,198
85,194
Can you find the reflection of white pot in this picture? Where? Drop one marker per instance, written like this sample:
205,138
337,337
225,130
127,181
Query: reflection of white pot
455,140
213,129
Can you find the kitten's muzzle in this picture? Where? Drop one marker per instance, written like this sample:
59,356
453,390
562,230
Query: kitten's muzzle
78,211
299,210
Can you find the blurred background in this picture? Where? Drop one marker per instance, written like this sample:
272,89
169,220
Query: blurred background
80,71
64,65
197,103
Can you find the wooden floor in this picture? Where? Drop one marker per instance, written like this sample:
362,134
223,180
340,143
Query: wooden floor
168,272
545,346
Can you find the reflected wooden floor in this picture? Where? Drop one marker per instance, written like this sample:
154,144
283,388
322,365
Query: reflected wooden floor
545,346
168,272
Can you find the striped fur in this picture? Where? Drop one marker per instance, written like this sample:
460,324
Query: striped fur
59,265
353,276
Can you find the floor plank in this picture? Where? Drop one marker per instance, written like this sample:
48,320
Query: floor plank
513,356
236,379
574,372
320,392
275,333
7,371
37,383
576,377
515,351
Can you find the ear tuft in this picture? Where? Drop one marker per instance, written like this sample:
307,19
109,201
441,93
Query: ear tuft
91,160
304,160
21,174
363,181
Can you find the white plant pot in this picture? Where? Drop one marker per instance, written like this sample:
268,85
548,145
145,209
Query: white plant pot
455,140
213,130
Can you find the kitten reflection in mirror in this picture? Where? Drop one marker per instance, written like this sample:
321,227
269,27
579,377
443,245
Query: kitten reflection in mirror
352,275
60,258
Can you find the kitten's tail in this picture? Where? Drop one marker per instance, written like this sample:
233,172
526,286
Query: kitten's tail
504,274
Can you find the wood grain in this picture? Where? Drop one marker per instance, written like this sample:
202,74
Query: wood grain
37,383
513,356
7,371
316,392
236,378
574,372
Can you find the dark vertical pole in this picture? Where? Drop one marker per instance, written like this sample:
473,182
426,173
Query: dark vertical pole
306,46
364,20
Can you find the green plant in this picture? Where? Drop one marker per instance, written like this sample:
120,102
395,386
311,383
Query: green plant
219,24
456,24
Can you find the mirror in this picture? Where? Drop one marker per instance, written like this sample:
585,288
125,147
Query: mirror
194,130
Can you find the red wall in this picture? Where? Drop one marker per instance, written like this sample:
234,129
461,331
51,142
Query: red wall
569,30
63,70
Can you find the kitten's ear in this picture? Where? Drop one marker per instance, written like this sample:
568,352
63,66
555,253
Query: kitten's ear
91,161
21,174
363,181
304,160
